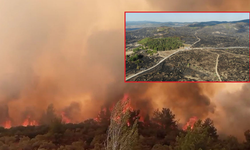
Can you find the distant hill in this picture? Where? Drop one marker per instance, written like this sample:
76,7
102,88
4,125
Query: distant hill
128,23
212,23
133,25
143,24
245,21
130,29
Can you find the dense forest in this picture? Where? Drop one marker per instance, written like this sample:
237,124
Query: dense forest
162,44
160,131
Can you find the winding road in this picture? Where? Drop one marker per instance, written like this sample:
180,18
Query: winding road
132,76
197,38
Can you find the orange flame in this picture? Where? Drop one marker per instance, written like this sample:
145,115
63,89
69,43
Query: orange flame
65,119
125,109
7,124
190,123
97,119
29,122
125,97
128,105
141,119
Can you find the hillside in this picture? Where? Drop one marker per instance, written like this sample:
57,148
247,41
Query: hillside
212,23
210,51
143,24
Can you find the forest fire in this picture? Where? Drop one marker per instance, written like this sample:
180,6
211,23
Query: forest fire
141,118
65,119
106,111
7,124
102,112
126,103
97,119
29,122
119,112
190,123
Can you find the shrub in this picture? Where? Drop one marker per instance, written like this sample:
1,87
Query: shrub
136,49
133,58
140,56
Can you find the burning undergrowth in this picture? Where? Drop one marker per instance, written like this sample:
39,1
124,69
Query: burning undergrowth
184,100
67,115
159,127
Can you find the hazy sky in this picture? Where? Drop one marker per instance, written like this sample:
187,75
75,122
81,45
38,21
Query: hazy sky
186,17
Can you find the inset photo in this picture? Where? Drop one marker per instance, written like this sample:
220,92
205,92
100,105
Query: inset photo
186,47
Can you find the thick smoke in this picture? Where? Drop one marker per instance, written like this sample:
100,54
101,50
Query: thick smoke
201,5
4,113
187,99
232,115
70,54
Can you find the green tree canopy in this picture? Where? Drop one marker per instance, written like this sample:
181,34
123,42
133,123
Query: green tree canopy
196,138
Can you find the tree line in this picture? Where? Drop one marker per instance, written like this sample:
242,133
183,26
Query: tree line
121,130
162,44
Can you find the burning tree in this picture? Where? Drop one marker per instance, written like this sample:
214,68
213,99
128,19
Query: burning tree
190,123
121,134
196,138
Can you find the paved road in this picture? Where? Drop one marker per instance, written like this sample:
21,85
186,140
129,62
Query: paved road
128,78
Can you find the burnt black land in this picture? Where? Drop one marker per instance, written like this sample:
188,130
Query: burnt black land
199,65
224,35
229,41
143,63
